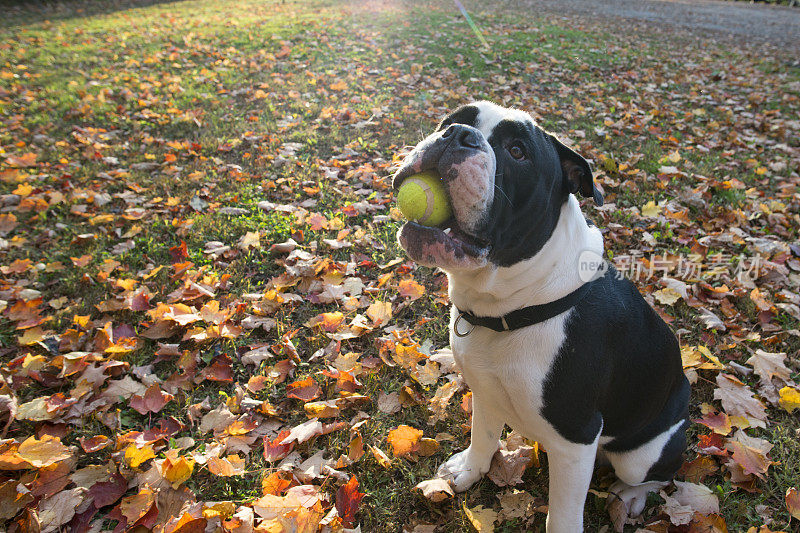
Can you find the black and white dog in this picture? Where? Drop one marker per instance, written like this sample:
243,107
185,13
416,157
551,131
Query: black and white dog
586,368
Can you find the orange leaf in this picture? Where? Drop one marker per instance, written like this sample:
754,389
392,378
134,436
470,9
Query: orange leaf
136,506
404,440
43,452
232,465
408,288
751,460
24,160
276,482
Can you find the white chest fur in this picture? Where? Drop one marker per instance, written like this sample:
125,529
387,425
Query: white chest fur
507,370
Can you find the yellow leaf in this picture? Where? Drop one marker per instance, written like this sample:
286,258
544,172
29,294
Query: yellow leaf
24,189
220,509
380,312
790,398
651,209
177,471
667,296
381,457
135,456
43,452
481,519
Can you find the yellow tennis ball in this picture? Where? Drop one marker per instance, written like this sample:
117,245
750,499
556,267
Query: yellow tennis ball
422,198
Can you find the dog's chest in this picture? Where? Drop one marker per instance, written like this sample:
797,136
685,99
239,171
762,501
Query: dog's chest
507,371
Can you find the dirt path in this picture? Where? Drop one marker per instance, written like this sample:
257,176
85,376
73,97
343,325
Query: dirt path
741,22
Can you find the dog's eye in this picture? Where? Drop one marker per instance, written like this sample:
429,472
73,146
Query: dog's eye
516,151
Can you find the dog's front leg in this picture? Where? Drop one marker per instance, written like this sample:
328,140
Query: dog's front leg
467,467
570,471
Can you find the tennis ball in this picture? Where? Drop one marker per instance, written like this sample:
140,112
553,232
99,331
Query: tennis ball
422,199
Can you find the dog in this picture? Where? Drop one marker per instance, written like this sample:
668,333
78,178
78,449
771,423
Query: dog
574,360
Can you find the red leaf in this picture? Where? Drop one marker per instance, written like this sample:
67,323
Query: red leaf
108,492
179,253
153,401
711,444
348,499
305,389
93,444
274,450
718,423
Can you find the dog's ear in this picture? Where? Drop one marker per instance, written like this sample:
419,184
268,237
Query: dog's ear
577,173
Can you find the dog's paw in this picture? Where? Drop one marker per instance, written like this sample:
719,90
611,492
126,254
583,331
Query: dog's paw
633,497
462,470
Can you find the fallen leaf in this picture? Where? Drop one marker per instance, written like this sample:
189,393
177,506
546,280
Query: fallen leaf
436,489
404,440
482,519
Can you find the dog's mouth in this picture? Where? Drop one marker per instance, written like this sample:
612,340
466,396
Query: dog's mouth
448,234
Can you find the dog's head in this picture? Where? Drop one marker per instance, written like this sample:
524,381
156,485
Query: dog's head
507,180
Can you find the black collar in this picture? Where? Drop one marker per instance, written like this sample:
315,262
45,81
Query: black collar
527,316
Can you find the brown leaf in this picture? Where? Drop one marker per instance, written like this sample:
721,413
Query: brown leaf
738,400
750,459
508,466
436,489
793,502
153,401
305,389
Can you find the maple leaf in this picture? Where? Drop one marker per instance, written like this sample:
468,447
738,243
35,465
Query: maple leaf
305,389
43,452
232,465
738,400
408,288
404,440
175,469
717,422
274,450
153,400
135,456
348,500
751,460
482,519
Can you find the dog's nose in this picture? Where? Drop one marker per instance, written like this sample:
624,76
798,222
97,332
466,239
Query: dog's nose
463,135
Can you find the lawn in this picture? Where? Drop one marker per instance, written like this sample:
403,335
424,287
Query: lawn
205,318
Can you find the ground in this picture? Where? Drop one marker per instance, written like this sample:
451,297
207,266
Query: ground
206,318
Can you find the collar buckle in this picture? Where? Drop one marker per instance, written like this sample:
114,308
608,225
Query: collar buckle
460,317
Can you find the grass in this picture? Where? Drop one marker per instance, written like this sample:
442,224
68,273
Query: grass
216,95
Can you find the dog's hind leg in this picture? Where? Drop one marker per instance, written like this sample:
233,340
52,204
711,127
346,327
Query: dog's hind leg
647,468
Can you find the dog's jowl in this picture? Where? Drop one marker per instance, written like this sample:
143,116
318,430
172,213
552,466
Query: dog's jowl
576,360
